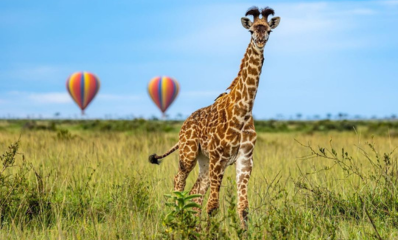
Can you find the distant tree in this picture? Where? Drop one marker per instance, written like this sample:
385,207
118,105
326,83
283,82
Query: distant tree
328,115
342,116
299,115
316,116
153,117
179,116
279,116
393,116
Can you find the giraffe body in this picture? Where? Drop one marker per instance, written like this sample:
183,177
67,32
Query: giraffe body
223,133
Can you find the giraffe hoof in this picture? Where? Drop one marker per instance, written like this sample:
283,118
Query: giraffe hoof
152,159
212,212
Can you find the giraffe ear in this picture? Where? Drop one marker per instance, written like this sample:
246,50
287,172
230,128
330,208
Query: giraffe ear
246,23
274,22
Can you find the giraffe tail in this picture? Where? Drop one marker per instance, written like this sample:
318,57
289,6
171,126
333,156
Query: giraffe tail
154,159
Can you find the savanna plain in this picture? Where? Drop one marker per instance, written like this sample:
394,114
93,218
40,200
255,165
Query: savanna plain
64,179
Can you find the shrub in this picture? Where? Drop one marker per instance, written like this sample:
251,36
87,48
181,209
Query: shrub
21,200
374,193
181,221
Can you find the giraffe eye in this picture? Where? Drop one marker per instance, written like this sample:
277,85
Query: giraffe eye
269,32
251,32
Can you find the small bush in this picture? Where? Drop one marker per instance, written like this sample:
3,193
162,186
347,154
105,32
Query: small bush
374,193
181,221
64,134
33,125
21,200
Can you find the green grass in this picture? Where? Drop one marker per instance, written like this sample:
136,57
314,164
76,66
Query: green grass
96,183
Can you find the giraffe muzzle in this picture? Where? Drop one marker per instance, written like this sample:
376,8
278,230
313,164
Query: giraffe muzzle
260,43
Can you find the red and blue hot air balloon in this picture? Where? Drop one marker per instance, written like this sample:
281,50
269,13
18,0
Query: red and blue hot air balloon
83,86
163,91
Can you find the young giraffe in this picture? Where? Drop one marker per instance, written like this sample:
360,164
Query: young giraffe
223,133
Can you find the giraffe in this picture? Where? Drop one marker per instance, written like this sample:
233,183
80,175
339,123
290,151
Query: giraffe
223,133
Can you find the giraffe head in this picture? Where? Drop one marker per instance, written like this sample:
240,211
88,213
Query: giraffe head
260,28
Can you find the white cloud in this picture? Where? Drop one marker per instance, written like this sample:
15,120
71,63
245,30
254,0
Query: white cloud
14,93
393,3
361,11
41,70
63,97
201,93
114,97
217,38
52,97
318,26
46,73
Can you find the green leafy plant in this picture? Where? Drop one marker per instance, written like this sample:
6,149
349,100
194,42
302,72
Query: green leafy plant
64,134
181,221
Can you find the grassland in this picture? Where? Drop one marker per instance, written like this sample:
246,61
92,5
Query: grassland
92,180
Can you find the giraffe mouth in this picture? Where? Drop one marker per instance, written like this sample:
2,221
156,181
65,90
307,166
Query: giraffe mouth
260,43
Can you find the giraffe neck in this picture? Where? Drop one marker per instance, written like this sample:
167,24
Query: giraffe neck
244,87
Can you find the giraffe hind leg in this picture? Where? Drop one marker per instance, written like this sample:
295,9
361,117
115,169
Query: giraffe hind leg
188,154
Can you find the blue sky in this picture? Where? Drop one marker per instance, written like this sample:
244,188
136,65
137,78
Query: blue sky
324,57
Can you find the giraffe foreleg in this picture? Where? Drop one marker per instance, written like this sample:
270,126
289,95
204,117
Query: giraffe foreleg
217,169
244,165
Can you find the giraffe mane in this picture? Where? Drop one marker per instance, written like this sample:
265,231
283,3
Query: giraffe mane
220,96
253,11
236,80
266,12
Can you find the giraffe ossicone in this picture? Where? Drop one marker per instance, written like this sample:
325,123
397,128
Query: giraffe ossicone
223,133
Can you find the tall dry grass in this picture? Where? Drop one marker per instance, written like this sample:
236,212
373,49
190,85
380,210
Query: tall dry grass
99,185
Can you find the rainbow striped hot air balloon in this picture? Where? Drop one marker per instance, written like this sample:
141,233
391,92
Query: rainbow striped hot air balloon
83,86
163,91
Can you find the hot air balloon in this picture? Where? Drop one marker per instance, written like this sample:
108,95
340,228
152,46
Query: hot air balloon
163,91
82,87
